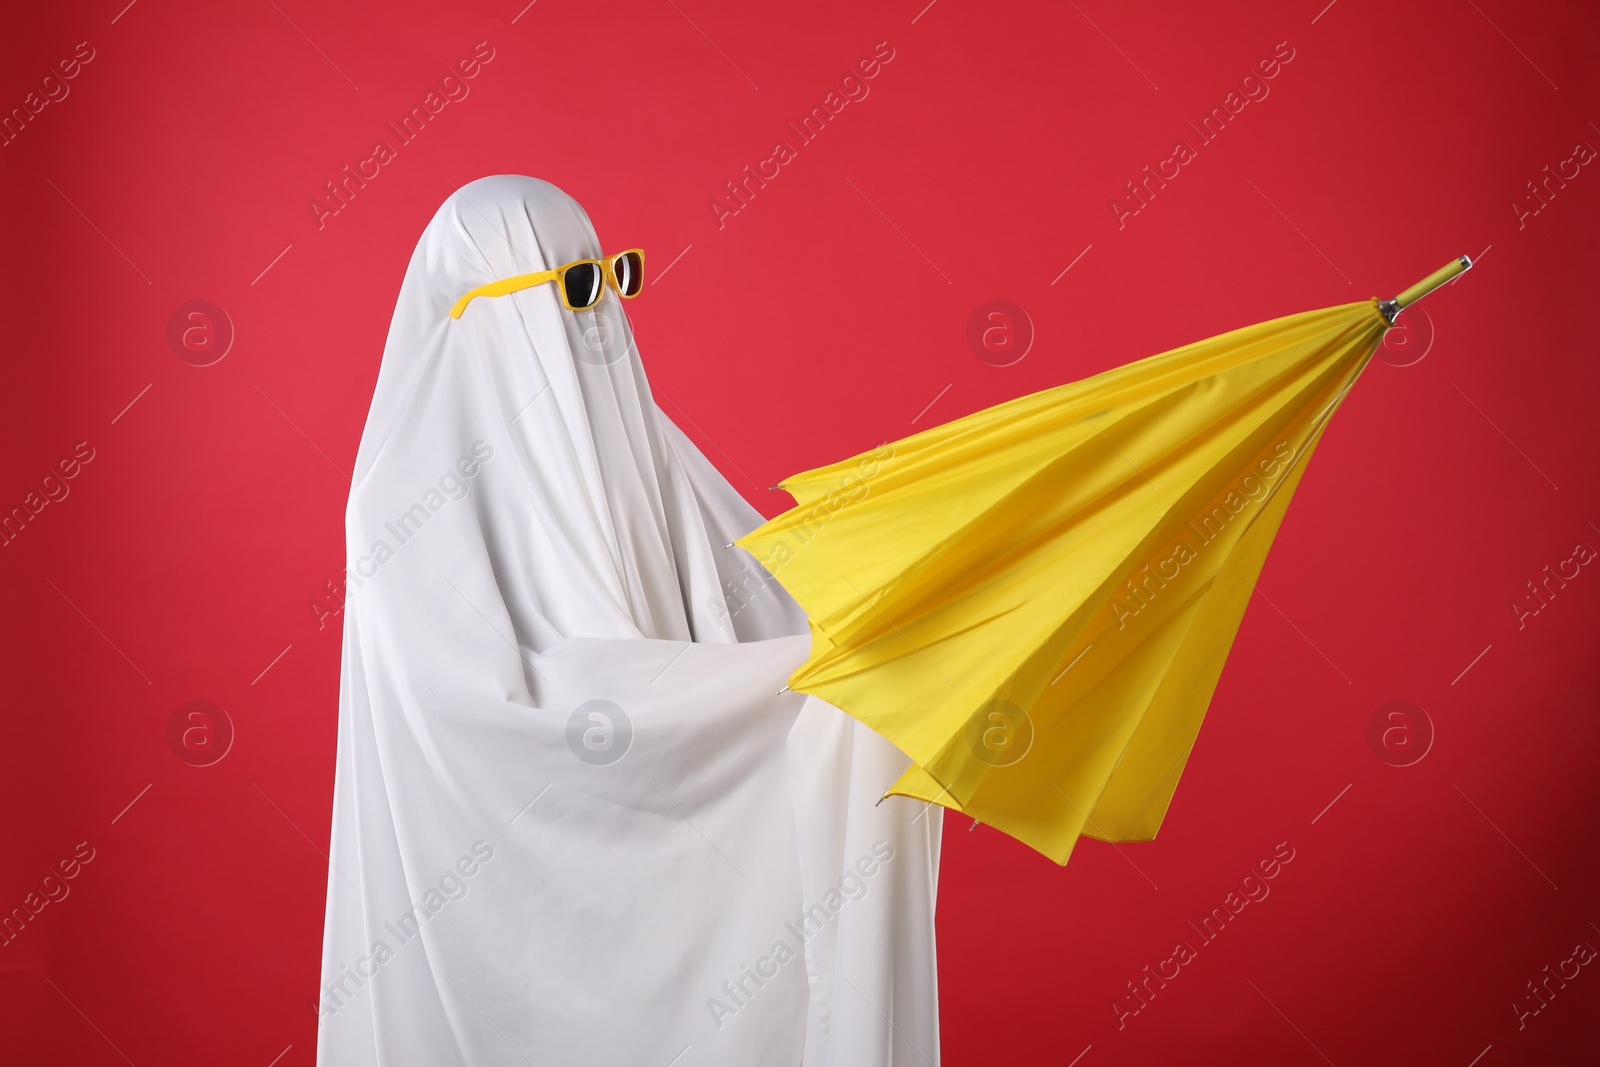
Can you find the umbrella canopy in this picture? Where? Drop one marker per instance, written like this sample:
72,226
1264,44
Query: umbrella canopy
1035,602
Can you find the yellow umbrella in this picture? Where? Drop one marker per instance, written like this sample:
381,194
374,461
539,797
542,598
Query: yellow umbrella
1034,602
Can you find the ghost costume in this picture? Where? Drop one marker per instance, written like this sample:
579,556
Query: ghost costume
575,821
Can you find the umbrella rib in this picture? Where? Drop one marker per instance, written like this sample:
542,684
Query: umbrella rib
1104,836
1102,433
928,805
897,630
1071,665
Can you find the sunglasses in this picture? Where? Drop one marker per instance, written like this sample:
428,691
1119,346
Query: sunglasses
581,282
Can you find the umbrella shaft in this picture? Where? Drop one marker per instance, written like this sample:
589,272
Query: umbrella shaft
1433,281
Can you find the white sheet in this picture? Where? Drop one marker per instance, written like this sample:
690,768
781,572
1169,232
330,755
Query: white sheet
574,821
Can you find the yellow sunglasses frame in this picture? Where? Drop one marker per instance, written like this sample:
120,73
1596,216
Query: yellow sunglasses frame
528,281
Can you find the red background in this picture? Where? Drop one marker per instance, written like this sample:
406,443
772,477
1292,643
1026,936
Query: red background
824,317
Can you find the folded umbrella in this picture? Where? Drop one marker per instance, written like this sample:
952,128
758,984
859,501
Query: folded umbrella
1035,602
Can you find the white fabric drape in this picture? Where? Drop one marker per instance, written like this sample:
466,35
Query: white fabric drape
574,820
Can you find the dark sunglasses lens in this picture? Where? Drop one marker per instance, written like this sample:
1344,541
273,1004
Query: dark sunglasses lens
582,285
630,273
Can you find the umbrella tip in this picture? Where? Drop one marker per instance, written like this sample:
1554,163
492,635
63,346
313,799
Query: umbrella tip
1392,308
973,827
782,691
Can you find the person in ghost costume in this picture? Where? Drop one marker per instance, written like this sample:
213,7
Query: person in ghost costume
575,820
